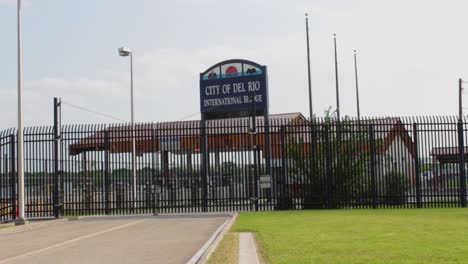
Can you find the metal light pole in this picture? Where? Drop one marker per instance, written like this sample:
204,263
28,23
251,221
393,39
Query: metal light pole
124,52
21,214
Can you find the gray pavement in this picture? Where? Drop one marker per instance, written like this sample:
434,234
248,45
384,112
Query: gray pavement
132,239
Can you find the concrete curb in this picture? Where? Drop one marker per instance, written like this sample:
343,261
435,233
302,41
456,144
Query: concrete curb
148,216
208,248
74,218
31,225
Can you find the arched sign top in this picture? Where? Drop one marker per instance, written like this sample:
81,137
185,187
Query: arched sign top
234,88
233,68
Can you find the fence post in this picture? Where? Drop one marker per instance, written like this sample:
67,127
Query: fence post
204,168
256,162
13,176
328,169
282,181
461,163
267,145
56,198
417,173
372,166
154,186
106,172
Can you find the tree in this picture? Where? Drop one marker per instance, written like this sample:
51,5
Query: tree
330,166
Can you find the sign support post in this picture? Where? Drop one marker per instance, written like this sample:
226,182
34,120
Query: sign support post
232,89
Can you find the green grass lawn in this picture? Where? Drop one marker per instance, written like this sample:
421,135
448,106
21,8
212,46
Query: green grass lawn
226,251
360,236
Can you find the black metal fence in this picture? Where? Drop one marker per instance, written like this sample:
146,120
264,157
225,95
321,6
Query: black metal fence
225,166
7,176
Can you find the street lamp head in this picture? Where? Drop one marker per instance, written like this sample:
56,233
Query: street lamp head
124,51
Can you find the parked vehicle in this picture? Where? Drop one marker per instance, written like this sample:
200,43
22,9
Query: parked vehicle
219,180
427,175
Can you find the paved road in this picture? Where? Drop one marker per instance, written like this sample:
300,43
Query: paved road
162,239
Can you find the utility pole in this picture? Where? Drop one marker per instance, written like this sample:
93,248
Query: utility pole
357,87
21,213
460,103
336,83
461,146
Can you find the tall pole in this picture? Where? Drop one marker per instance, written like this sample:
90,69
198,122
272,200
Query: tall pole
336,81
311,113
21,213
357,87
460,103
133,133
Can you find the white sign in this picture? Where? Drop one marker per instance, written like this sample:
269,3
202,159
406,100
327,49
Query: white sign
265,181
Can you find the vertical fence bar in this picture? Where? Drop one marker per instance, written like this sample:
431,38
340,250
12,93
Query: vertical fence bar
312,162
372,166
461,163
416,166
204,167
56,198
107,173
5,181
282,179
256,153
13,176
328,168
267,154
154,186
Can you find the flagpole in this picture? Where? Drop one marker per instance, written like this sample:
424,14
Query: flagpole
311,113
357,87
21,213
336,82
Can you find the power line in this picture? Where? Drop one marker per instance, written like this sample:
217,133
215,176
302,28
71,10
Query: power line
125,121
189,116
94,112
206,110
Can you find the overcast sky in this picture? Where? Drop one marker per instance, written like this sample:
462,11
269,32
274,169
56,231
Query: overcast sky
410,55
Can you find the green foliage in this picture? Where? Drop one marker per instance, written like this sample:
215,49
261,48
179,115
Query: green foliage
426,166
235,172
453,182
395,185
184,171
229,168
336,150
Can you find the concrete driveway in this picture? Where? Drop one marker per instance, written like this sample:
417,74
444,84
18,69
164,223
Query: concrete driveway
125,239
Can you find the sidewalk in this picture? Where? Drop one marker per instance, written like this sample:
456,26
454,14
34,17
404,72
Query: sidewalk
247,249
